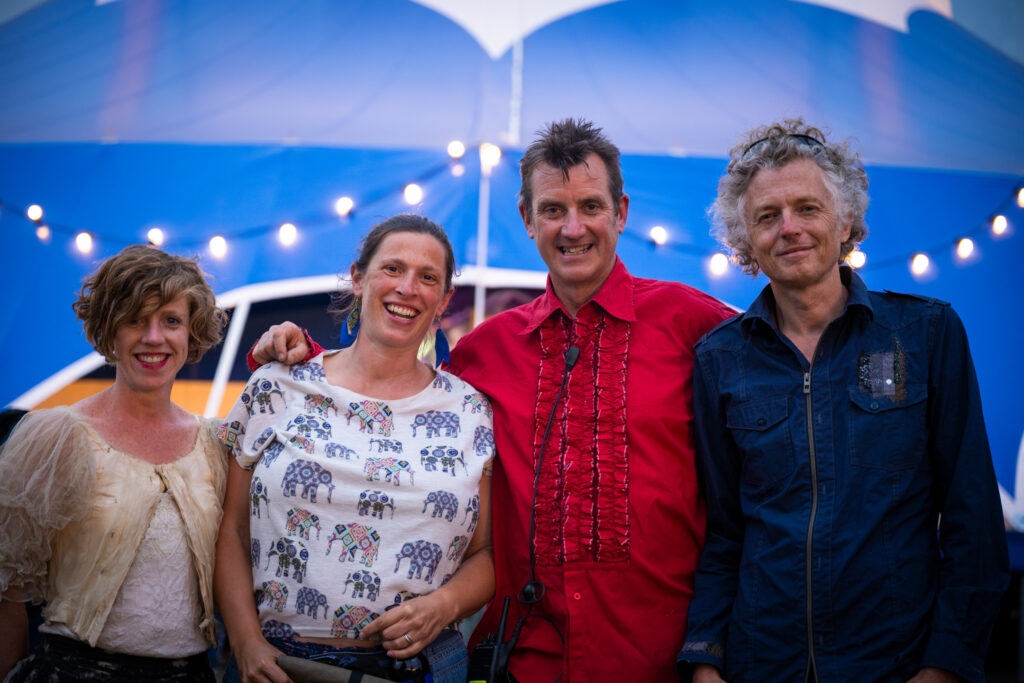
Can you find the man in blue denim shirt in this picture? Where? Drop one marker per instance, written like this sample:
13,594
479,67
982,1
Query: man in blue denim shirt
854,530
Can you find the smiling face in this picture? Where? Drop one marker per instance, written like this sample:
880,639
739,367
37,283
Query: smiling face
151,348
794,229
402,290
576,225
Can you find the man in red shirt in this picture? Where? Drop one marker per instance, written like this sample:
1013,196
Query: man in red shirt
606,538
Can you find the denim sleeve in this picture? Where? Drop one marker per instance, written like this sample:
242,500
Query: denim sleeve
717,577
974,567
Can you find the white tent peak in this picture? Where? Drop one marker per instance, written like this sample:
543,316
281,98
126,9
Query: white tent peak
891,13
499,24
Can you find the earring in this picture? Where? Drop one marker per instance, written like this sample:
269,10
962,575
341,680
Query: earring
350,328
440,346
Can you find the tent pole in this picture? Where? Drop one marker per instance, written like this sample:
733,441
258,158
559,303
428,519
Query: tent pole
482,235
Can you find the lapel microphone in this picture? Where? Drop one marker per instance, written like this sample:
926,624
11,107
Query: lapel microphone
533,590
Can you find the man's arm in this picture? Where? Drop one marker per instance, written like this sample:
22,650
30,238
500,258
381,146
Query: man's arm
287,343
717,575
974,568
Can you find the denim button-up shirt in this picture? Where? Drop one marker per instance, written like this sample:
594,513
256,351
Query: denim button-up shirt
854,528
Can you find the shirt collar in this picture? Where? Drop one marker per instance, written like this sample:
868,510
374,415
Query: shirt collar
615,296
763,308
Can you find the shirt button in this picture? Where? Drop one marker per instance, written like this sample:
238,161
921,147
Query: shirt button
761,421
874,405
577,596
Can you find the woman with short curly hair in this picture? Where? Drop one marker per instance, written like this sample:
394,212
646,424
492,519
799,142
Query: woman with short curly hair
109,508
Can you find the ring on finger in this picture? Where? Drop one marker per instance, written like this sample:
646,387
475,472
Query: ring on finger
408,638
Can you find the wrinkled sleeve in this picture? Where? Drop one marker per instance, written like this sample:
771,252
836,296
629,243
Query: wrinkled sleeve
974,569
716,581
252,424
47,478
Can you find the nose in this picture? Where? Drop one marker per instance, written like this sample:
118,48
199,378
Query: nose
152,334
573,227
789,224
407,283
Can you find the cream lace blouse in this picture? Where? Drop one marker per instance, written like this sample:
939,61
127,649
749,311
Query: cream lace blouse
74,511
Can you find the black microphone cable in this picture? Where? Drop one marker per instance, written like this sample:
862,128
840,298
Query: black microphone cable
533,590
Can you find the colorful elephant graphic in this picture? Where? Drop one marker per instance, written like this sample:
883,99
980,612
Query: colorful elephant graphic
271,452
445,504
432,455
373,502
422,555
363,582
457,547
320,404
483,441
452,456
291,556
473,507
311,372
336,450
263,438
391,468
276,594
311,475
436,420
349,620
260,395
309,427
442,382
230,434
387,446
275,629
402,596
300,522
477,402
356,537
302,443
257,492
309,601
370,414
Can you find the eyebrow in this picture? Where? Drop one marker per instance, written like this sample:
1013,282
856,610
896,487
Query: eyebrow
404,264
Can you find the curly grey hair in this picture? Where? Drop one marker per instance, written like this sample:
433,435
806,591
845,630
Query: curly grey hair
774,146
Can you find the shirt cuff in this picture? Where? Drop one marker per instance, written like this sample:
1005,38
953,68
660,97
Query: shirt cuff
946,651
314,350
699,652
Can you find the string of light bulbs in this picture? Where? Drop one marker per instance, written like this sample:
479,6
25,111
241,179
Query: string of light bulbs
716,262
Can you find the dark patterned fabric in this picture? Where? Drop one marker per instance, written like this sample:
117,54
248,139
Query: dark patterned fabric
63,659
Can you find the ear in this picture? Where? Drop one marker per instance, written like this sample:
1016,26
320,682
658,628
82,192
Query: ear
444,303
844,231
357,282
623,212
524,213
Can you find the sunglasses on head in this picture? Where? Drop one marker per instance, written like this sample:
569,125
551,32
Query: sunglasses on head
803,140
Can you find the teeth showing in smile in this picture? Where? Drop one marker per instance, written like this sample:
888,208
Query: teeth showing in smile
575,251
152,358
401,311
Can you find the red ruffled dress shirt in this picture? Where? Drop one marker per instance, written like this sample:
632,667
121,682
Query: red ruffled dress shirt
619,523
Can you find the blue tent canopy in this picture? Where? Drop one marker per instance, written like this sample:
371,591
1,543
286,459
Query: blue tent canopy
206,118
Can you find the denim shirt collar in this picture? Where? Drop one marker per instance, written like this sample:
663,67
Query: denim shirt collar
615,296
762,311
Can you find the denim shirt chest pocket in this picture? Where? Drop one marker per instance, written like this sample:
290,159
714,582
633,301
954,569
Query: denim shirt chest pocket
761,433
887,432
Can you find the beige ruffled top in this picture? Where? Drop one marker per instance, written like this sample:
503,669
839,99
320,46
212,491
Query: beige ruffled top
74,510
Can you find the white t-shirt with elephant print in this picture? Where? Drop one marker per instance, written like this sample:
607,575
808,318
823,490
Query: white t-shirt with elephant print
356,503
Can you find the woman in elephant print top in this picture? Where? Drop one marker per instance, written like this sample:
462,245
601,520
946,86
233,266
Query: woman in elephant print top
358,501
